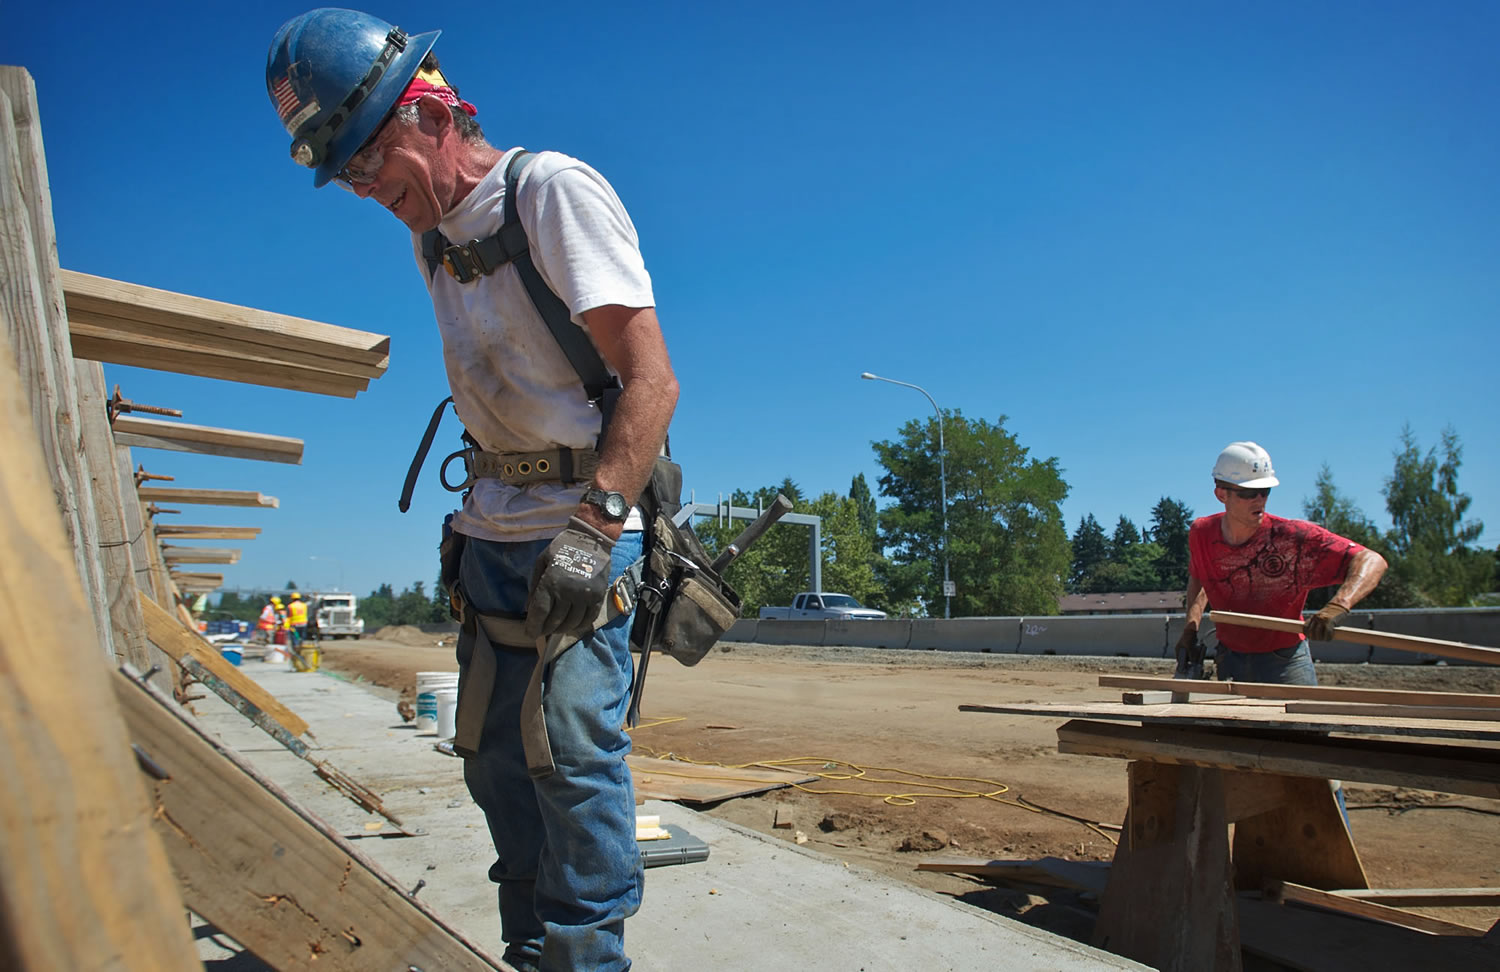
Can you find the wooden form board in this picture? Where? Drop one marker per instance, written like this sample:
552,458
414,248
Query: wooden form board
1286,891
1398,711
85,882
127,323
32,319
200,555
1318,693
172,638
1303,939
1427,897
272,875
1471,770
178,531
666,779
1366,636
1250,714
204,440
198,583
207,497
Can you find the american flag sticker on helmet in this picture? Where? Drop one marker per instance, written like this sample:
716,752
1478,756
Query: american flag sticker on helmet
285,98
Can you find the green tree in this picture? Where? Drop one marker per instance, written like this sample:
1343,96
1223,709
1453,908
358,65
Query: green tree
1433,543
864,502
378,607
1170,522
1125,536
1134,569
1007,545
1090,549
1331,509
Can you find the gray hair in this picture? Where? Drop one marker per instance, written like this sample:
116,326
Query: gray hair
468,128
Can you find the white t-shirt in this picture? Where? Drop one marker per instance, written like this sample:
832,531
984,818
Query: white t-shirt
512,386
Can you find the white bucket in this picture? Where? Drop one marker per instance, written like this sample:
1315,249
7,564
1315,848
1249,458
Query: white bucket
275,655
428,684
447,712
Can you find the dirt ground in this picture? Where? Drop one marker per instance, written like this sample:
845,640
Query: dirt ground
905,776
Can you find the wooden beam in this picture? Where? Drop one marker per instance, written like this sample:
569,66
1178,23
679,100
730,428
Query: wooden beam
182,437
216,366
198,583
207,497
172,638
31,314
200,555
1365,636
1450,769
131,333
1301,938
1427,897
1323,693
1305,839
179,531
1397,711
213,320
1288,891
272,875
85,883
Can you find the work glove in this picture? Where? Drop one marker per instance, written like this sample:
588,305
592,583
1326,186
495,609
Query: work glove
1190,652
1319,627
569,582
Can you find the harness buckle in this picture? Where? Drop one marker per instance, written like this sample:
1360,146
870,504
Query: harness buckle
463,262
470,477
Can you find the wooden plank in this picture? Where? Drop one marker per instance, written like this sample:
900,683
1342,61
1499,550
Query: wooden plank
204,440
270,874
31,313
129,331
198,583
206,497
665,779
115,550
1287,891
1451,769
1323,693
1250,716
1303,939
172,638
1398,711
180,531
1164,696
200,555
1304,840
1168,902
1048,871
1366,636
1426,897
212,319
85,882
213,366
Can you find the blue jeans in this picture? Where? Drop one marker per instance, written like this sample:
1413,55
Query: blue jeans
567,863
1284,666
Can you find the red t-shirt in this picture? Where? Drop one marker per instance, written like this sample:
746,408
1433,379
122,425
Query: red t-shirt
1268,574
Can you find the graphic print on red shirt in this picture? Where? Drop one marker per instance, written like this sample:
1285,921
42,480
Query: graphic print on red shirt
1269,574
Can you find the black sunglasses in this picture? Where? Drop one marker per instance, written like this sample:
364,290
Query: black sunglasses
1246,494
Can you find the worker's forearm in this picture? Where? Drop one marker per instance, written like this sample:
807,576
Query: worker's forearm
1196,600
1364,574
632,443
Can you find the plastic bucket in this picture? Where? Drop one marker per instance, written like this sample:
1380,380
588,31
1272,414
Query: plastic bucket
428,684
447,712
231,655
306,659
274,655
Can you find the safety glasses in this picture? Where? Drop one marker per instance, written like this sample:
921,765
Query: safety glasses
1246,494
364,165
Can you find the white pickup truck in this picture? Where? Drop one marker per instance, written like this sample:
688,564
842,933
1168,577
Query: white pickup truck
819,606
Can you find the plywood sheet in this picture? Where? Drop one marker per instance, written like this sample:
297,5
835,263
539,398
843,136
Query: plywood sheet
665,779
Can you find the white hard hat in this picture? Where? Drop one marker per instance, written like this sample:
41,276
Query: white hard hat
1245,464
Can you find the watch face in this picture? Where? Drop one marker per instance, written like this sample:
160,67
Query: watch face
614,505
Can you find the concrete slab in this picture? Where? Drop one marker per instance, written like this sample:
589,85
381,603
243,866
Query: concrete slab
757,902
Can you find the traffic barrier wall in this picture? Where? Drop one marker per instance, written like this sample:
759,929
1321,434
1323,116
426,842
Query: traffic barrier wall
1472,626
966,634
778,632
866,634
1135,635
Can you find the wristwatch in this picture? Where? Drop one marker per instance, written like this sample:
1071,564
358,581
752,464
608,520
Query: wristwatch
612,504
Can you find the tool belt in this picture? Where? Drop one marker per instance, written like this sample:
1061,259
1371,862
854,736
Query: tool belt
560,465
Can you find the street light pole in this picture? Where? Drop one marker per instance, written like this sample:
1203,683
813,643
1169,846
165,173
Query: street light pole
942,479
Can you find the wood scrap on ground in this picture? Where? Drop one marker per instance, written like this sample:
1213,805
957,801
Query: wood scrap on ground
665,779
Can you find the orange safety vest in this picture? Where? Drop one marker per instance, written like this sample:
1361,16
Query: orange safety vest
298,611
267,618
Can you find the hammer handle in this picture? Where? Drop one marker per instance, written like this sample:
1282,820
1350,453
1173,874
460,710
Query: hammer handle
752,533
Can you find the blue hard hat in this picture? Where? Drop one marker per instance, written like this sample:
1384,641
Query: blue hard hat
333,75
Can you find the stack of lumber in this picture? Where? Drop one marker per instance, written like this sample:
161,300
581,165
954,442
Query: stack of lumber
124,323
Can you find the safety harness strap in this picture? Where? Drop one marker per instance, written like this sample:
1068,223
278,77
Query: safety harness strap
421,456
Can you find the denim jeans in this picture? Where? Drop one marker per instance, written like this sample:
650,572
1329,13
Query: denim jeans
567,863
1285,666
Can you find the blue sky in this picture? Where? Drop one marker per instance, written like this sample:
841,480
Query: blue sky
1140,231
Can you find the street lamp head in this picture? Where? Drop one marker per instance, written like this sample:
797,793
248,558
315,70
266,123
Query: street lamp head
869,377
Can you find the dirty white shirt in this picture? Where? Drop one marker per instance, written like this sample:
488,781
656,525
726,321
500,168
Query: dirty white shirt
512,386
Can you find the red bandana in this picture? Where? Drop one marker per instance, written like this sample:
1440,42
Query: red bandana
447,95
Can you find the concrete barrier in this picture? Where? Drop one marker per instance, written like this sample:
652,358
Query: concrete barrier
742,630
866,634
966,634
1135,635
1472,626
776,632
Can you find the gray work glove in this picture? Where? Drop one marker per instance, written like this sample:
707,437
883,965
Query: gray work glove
1320,626
1190,652
569,582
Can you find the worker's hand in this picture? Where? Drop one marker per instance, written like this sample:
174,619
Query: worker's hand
1189,653
1319,627
569,582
